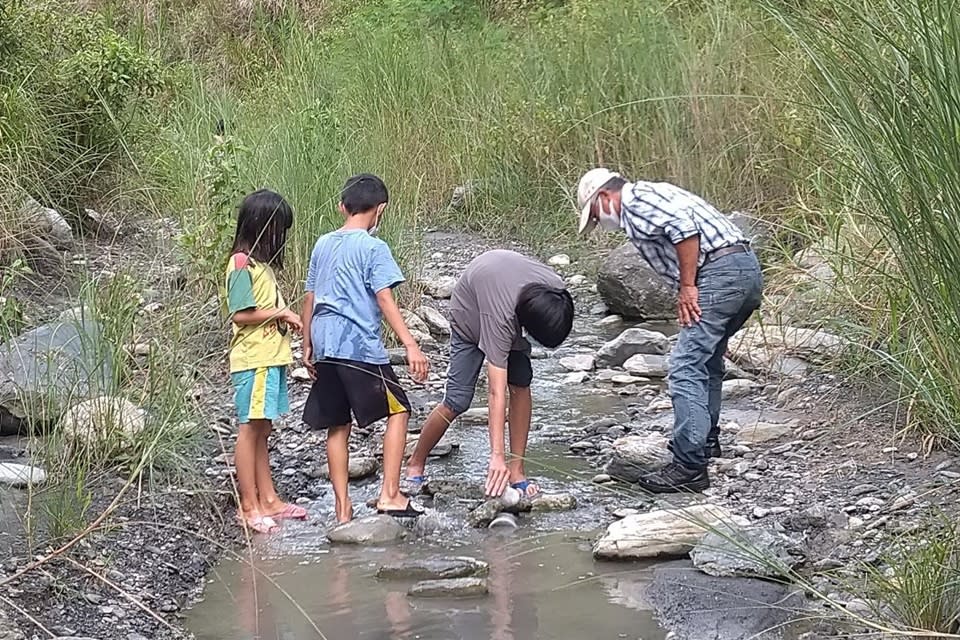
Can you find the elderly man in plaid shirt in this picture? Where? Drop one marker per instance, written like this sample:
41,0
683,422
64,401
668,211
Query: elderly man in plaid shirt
708,261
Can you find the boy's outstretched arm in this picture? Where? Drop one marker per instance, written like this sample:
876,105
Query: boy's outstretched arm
306,318
497,474
419,367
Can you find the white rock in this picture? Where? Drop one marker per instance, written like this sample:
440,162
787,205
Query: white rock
650,366
765,432
559,260
21,475
435,320
57,229
440,288
477,415
576,377
625,378
784,350
630,343
609,321
577,281
414,322
103,418
301,374
582,362
659,404
645,449
671,532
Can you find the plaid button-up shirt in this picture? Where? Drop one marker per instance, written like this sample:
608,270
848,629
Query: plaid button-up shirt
658,215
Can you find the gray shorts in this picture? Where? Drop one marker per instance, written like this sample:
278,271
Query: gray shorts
466,360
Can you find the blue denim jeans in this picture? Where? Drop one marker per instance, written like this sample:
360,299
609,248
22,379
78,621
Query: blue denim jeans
730,291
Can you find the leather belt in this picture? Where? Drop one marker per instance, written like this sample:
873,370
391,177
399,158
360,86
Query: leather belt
740,247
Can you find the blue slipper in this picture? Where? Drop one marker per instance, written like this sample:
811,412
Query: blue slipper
523,485
412,485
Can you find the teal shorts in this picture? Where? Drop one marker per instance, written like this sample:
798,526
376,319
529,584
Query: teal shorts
260,394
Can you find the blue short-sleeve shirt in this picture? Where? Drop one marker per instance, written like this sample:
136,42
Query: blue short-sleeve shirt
347,270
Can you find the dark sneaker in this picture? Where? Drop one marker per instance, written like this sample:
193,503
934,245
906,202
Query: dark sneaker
675,478
711,450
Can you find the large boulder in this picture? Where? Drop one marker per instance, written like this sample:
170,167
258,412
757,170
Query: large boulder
631,289
751,553
663,532
630,343
54,227
47,368
783,349
636,456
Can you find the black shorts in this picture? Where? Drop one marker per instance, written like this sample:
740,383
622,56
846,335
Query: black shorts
371,391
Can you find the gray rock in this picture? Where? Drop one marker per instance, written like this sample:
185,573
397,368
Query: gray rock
648,366
374,530
433,569
438,324
576,377
7,630
359,467
483,515
582,362
21,475
49,367
764,432
454,588
752,552
414,322
455,487
630,343
106,418
440,288
738,388
630,288
635,456
553,502
696,606
664,532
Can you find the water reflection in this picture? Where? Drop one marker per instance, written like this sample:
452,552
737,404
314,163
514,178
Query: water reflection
539,588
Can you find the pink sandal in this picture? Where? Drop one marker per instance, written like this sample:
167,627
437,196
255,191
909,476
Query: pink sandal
291,512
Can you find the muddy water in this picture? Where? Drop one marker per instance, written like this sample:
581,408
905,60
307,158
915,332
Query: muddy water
543,580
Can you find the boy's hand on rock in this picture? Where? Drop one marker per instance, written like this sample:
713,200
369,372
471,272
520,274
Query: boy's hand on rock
498,476
419,367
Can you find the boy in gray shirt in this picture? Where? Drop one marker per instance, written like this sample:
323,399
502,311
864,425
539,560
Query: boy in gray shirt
500,295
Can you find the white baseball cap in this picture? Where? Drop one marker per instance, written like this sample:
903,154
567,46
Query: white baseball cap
589,185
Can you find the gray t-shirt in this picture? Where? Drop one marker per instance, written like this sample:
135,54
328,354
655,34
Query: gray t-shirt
484,303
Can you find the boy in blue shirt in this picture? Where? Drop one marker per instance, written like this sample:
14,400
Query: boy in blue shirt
349,290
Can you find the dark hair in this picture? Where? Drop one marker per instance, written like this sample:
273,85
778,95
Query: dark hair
363,192
262,224
613,184
546,313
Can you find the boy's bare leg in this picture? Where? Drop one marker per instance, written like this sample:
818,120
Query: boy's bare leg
245,462
269,501
338,462
433,429
394,442
521,411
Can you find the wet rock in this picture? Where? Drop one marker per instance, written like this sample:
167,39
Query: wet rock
47,368
649,366
454,588
379,529
21,475
300,374
576,377
359,467
553,502
630,288
738,388
753,553
433,569
582,362
635,456
440,288
625,379
630,343
107,418
455,487
483,515
663,532
476,415
765,432
696,606
435,321
559,260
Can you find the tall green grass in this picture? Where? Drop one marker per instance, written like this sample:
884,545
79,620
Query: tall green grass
518,109
887,80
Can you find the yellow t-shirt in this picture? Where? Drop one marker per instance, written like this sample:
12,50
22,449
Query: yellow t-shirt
251,285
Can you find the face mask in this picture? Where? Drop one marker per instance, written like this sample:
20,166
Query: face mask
376,226
607,220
